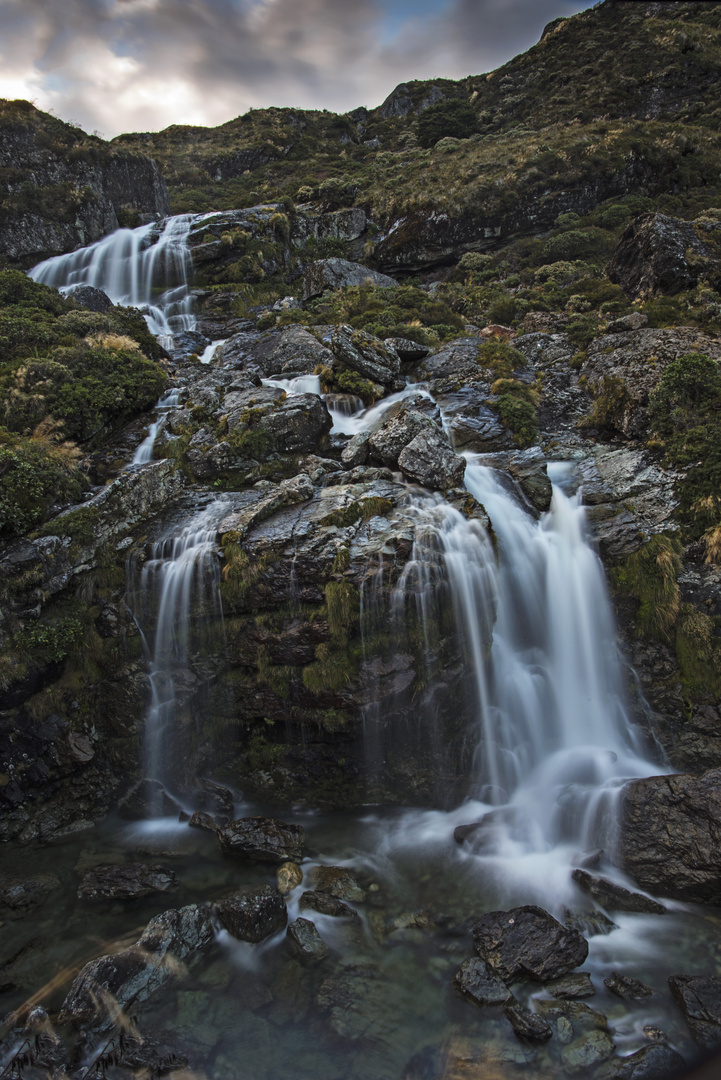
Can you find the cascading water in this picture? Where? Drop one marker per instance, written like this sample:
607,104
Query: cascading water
179,588
167,403
147,268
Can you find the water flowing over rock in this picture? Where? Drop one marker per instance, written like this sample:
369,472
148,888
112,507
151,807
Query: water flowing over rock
430,461
528,942
527,1024
615,897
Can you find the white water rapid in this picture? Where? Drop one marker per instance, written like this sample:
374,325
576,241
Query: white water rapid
167,403
147,268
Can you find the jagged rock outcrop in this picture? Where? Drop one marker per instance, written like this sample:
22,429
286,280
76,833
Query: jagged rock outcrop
662,254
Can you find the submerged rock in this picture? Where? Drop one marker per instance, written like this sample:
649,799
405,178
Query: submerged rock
615,897
129,881
476,980
624,986
305,942
528,942
327,905
338,882
253,914
589,1050
24,894
263,839
700,999
649,1063
527,1024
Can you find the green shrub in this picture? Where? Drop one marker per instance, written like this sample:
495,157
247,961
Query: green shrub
519,415
454,118
49,642
609,407
501,358
33,476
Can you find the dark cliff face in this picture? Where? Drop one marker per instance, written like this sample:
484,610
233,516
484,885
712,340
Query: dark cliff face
62,189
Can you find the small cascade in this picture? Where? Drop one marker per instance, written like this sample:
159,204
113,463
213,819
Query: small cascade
144,453
300,384
178,603
147,268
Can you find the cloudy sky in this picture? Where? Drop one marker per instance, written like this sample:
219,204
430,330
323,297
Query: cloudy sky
140,65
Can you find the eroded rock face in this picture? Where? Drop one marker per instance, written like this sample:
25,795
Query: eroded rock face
340,274
253,915
670,835
662,254
528,942
263,839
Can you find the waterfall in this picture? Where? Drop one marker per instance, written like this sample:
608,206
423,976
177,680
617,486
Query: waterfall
147,268
179,589
144,453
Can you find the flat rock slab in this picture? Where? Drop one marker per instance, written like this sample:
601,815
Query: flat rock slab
700,999
626,987
615,897
263,839
528,1025
305,942
528,942
128,881
477,981
254,914
649,1063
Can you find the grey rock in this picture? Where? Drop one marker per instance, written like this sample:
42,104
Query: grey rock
368,355
355,452
662,254
263,839
200,820
299,423
357,1000
291,351
128,881
91,298
27,893
398,103
528,942
626,987
408,350
477,981
700,999
400,426
147,799
340,274
327,905
338,882
571,987
253,914
288,493
586,1052
615,897
528,469
306,943
649,1063
635,321
429,461
528,1025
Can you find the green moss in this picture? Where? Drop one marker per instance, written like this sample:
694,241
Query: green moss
698,652
502,359
649,576
363,510
240,574
45,642
275,676
331,670
343,605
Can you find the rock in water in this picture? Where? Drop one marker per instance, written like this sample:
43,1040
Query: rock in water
253,914
615,897
201,820
570,987
429,460
589,1050
264,839
625,987
476,981
527,941
527,1024
700,999
327,905
23,894
125,882
147,799
288,876
650,1063
305,942
528,468
338,882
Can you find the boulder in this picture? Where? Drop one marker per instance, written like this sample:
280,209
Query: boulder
662,254
135,974
398,429
670,835
477,981
129,881
368,355
355,451
263,839
291,351
288,877
253,914
528,1025
327,905
298,424
92,299
429,460
635,321
650,1063
147,799
614,897
200,820
527,942
338,882
305,942
341,274
408,350
528,469
700,999
625,987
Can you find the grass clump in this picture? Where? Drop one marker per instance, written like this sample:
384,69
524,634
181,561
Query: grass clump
649,576
609,407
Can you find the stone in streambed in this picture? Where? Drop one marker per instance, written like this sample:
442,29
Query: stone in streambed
625,987
305,942
21,895
288,876
477,981
591,1049
429,460
588,923
570,987
700,999
253,914
129,881
355,452
147,799
528,1025
615,897
263,839
327,905
649,1063
338,882
201,820
528,942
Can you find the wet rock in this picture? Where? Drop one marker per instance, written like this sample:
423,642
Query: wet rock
22,895
472,425
408,350
477,981
366,354
528,942
92,299
528,469
129,881
341,274
398,429
586,1052
588,923
200,820
305,942
136,973
429,461
355,451
263,839
288,493
327,905
298,424
357,1000
570,987
589,860
670,835
411,920
614,897
700,999
288,876
292,351
338,882
625,987
528,1025
147,799
577,1015
662,254
649,1063
253,914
